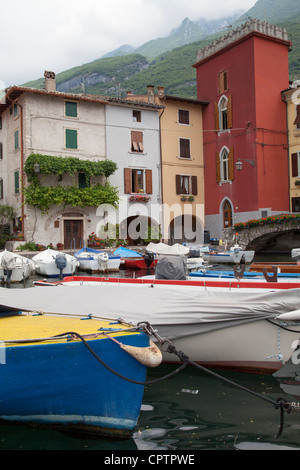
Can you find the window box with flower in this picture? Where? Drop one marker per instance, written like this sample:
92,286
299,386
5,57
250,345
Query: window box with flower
139,198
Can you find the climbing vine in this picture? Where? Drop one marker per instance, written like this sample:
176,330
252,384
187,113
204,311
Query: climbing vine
60,165
43,197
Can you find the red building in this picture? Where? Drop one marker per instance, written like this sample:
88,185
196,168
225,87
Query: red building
245,127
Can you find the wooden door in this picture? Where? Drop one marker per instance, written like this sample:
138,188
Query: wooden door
73,233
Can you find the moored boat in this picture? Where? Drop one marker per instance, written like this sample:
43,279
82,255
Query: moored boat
283,267
97,261
51,376
243,328
233,256
132,259
14,267
54,263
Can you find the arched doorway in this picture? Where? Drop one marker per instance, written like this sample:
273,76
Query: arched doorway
186,228
227,214
138,229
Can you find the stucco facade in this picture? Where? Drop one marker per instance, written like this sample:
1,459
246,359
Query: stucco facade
244,125
291,96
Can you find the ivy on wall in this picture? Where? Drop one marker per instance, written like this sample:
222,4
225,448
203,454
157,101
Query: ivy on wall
43,197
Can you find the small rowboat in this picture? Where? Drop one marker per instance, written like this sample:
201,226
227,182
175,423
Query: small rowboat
52,377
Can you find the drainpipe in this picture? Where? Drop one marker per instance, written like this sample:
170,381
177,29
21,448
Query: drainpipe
288,149
22,164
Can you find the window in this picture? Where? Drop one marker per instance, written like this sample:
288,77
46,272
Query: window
1,150
223,114
0,122
137,142
297,120
1,188
186,184
136,116
71,109
83,180
184,148
296,164
17,182
137,180
183,116
16,140
71,139
15,110
222,81
225,165
227,214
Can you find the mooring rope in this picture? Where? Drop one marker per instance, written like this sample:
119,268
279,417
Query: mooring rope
281,402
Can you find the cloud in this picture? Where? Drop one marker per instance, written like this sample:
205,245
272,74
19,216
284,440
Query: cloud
61,34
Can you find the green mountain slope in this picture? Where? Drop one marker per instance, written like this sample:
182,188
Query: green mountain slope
114,76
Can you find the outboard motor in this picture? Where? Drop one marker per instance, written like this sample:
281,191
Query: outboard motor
103,260
8,263
148,258
170,267
61,263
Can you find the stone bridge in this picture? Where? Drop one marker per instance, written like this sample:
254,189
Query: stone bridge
278,236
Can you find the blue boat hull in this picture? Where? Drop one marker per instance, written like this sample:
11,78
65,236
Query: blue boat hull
64,385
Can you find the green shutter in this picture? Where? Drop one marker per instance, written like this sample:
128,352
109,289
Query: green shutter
16,136
83,181
17,185
71,139
71,109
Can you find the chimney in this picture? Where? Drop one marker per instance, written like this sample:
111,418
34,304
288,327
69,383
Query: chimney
50,82
161,92
150,89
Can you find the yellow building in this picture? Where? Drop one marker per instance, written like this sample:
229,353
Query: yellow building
292,99
182,168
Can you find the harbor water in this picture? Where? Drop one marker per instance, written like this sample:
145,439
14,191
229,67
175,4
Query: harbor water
191,411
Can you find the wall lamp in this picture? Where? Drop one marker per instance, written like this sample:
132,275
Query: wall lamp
36,168
239,163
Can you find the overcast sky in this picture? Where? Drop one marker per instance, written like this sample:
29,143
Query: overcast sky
38,35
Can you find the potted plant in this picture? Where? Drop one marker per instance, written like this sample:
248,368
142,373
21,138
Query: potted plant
59,246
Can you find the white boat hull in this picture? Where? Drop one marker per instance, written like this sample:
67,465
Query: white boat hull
22,269
230,257
45,264
94,266
218,328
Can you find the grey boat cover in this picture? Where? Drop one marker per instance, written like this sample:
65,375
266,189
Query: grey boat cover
186,310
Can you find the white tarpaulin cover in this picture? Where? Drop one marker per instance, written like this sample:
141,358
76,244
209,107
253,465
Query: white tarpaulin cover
163,249
188,309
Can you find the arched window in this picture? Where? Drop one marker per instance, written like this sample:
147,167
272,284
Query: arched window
227,214
224,164
223,114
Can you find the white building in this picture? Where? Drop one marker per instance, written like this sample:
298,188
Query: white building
53,143
133,142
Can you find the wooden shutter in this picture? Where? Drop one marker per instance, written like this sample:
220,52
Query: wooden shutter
231,165
183,116
216,111
71,139
194,186
1,150
218,172
71,108
185,148
137,141
127,180
294,164
229,112
297,120
17,183
1,188
178,185
149,181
